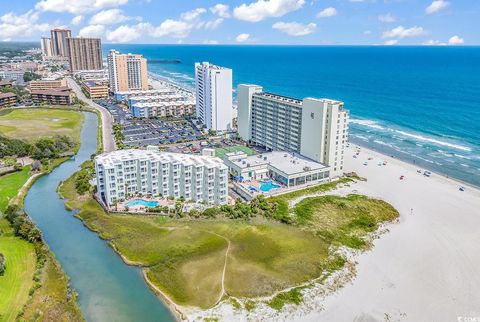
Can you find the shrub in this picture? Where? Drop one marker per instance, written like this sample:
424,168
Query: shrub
2,264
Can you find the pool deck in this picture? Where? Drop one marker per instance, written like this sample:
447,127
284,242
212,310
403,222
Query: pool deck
162,202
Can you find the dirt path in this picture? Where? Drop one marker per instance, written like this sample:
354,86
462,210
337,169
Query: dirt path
222,292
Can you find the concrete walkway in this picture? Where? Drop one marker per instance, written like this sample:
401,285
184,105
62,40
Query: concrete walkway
107,118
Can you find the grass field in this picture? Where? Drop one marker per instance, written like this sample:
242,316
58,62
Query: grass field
53,300
18,277
185,258
10,184
220,152
34,123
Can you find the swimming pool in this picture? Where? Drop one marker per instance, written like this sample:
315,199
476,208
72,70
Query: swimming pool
141,202
268,185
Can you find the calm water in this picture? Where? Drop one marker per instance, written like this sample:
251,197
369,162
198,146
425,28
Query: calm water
421,104
108,289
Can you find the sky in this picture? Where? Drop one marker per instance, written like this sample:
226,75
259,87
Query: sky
289,22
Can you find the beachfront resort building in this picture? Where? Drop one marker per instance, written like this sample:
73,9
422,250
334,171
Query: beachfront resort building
59,41
127,72
85,54
213,85
286,168
125,173
315,128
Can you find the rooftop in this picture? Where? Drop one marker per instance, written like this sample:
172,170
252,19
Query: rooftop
286,162
61,91
210,66
7,95
116,157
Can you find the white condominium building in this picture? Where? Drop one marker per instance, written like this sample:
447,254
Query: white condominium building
46,45
213,86
125,173
127,72
315,128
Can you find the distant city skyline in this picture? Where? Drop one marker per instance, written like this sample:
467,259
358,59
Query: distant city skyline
309,22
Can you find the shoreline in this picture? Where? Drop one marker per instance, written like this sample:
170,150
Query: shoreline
408,161
430,254
415,166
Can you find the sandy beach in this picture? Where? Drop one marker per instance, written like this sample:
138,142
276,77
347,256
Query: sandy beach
422,268
426,268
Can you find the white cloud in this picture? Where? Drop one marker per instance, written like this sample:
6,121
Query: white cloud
193,14
221,10
108,17
77,6
387,18
402,32
13,26
262,9
96,31
327,12
126,33
172,28
432,42
367,32
455,40
295,28
77,20
213,24
210,42
242,37
391,42
436,5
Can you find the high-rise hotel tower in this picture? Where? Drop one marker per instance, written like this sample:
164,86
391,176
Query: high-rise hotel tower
213,86
316,128
127,72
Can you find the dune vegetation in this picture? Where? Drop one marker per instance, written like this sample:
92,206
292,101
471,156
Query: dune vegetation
198,261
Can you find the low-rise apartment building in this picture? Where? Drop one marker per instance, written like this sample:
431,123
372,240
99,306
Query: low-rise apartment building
43,85
95,89
127,95
124,173
315,128
58,96
163,109
7,99
289,169
169,104
5,83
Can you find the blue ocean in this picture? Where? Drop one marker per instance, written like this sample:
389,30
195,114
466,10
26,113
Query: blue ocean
419,104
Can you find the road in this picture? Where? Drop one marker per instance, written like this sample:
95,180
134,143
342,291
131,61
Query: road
107,118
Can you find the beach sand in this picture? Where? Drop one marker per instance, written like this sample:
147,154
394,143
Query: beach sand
427,267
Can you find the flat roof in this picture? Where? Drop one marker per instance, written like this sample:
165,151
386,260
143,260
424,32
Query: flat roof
119,156
7,95
286,162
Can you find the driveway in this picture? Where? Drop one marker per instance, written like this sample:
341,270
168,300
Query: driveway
107,118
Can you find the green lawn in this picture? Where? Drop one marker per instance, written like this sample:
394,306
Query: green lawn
185,258
18,277
10,184
33,123
220,152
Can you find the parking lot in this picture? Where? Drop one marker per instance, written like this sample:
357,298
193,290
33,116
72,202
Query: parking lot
143,132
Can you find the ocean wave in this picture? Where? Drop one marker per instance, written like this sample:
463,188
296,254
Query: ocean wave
384,143
462,156
464,165
360,137
434,141
367,123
